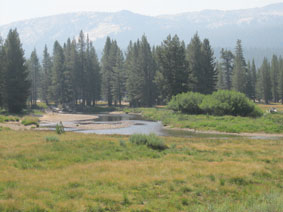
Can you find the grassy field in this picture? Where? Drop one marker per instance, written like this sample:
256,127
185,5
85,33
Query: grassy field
41,171
268,123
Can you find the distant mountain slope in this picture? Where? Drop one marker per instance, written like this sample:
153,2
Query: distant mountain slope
258,28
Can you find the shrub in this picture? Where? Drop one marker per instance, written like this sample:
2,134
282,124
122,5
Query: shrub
8,118
224,102
155,142
152,141
60,128
187,103
51,139
138,139
30,120
123,143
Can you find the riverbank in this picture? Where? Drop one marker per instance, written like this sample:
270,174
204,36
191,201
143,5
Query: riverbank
268,124
80,172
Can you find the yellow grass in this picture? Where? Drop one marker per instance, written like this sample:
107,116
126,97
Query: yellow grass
57,177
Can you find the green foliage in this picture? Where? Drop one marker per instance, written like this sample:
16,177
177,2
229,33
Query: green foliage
152,141
224,102
138,139
34,68
30,120
51,139
140,67
60,128
8,118
173,75
16,84
187,103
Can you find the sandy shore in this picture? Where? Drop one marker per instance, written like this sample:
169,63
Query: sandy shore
81,121
57,117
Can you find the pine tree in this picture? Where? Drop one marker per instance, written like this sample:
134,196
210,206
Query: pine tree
194,57
264,82
134,83
107,71
227,60
16,84
34,70
281,79
254,78
82,68
118,80
239,78
58,74
250,89
209,68
95,75
173,75
68,93
75,74
2,60
274,72
140,67
46,76
221,81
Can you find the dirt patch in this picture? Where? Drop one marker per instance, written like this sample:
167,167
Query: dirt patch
57,117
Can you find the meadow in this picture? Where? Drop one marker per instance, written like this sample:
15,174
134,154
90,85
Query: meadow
42,171
268,123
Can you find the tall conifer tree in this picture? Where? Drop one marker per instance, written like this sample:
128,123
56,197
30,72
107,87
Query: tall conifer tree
173,75
16,84
34,70
227,60
274,72
46,76
264,82
239,78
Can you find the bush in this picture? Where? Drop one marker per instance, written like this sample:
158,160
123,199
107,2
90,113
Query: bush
8,118
152,141
60,128
187,103
138,139
30,120
51,139
224,102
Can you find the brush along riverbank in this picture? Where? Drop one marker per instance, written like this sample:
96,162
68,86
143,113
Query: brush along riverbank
43,171
268,123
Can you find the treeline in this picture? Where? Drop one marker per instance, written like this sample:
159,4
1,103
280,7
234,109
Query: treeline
144,75
262,84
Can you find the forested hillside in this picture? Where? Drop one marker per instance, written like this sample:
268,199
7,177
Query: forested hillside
144,75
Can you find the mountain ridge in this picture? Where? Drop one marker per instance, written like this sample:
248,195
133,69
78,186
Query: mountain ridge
260,27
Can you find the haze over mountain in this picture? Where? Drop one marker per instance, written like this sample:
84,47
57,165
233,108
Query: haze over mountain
260,29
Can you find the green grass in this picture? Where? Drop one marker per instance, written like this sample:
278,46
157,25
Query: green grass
8,118
30,120
109,173
268,123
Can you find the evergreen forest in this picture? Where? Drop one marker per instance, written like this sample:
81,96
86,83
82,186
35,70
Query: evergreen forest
71,74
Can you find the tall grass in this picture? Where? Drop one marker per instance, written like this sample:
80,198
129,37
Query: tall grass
97,173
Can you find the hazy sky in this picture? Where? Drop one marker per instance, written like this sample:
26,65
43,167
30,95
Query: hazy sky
15,10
